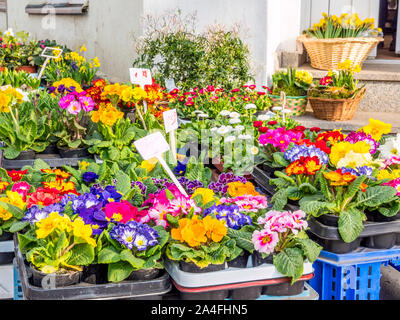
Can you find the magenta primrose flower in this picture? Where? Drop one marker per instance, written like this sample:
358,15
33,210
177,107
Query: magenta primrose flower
87,103
395,184
280,138
265,241
66,101
74,107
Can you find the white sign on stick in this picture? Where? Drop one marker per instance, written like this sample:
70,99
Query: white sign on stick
49,53
141,77
170,120
153,146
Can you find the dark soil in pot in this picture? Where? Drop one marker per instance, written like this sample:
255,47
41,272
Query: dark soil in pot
240,261
57,280
26,155
73,153
209,295
251,293
145,274
329,220
6,236
284,289
95,274
50,149
376,216
258,260
193,268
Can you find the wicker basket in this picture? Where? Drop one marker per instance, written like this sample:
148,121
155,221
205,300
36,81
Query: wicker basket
297,105
336,109
326,54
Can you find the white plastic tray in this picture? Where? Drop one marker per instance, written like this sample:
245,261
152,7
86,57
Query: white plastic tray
227,276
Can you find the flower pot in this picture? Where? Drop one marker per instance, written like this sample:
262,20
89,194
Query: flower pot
336,109
296,105
50,149
95,274
73,153
193,268
329,220
284,289
27,69
326,54
144,274
251,293
54,279
376,216
208,295
240,261
26,155
257,260
6,236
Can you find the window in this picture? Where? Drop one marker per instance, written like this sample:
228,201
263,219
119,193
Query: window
3,5
64,7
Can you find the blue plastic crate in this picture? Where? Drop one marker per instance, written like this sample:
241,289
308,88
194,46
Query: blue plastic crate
18,295
352,276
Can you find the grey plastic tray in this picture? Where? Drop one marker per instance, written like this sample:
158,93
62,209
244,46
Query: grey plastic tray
227,276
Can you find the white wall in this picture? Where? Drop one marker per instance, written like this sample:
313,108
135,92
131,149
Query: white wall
107,30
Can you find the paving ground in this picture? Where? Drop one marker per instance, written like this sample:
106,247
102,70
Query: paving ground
390,284
360,119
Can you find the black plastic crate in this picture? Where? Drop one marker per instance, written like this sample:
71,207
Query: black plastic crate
131,290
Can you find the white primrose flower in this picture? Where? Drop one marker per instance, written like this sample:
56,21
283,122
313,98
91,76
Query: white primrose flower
391,148
254,151
266,116
250,106
245,137
235,121
225,113
239,128
214,129
234,115
9,32
223,130
230,139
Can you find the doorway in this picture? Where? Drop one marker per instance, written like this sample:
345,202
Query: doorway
388,22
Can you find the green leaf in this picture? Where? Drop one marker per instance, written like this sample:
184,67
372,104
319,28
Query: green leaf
119,271
308,188
39,164
136,263
243,239
173,222
123,182
294,193
11,152
350,224
113,154
15,211
279,158
354,187
375,196
310,248
279,200
18,226
82,255
290,262
391,211
108,255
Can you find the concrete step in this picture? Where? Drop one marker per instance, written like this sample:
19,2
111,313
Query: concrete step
361,118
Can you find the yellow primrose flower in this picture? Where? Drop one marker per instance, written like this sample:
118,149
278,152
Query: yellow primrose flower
354,160
83,231
377,129
207,195
83,48
341,149
4,102
139,94
149,164
48,225
96,62
83,165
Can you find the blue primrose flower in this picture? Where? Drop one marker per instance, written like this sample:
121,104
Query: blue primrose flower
90,177
233,218
180,169
135,234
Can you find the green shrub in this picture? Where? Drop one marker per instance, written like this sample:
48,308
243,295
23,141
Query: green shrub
171,49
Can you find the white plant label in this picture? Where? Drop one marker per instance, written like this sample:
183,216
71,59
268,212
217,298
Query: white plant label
141,77
49,53
170,120
153,146
170,84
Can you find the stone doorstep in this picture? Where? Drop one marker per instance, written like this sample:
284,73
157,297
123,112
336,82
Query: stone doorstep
360,119
370,72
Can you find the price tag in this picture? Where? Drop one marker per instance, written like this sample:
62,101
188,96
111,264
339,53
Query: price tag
170,120
141,77
170,84
153,146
